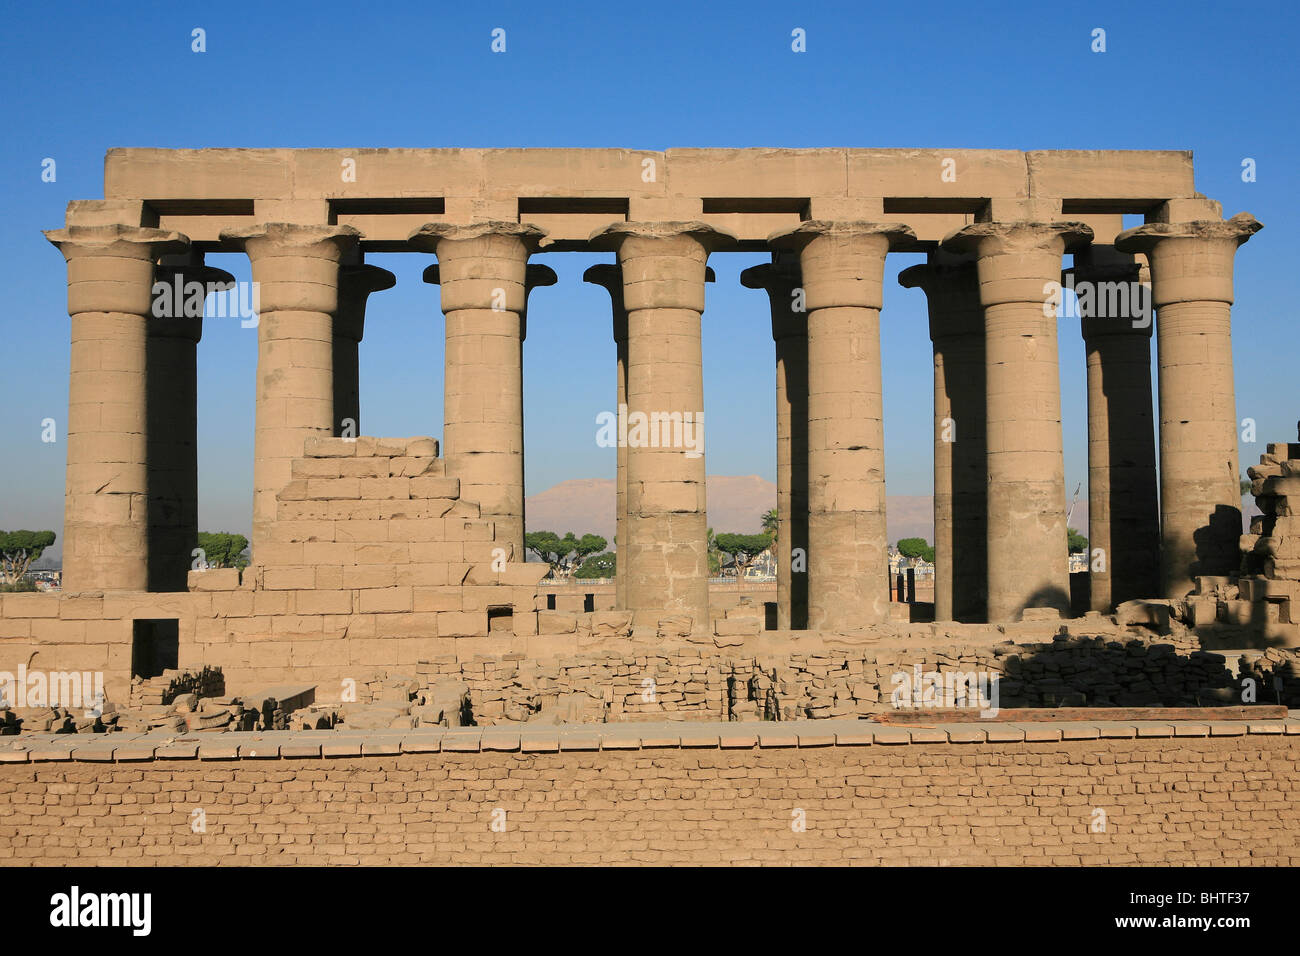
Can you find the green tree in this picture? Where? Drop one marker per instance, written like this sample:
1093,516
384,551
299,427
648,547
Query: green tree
223,549
18,549
586,546
913,548
743,548
1076,542
715,555
1246,485
604,565
563,554
771,521
550,547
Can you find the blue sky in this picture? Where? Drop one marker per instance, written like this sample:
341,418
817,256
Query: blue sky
81,78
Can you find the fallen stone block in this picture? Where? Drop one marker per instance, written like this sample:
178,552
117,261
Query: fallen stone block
374,716
677,626
1151,614
1040,614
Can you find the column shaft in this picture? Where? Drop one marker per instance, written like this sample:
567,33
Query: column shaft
960,454
1026,551
1123,509
663,268
781,280
296,271
175,329
106,516
610,277
842,265
356,283
482,269
1200,500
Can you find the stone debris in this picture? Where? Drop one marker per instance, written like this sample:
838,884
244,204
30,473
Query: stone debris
1276,674
170,684
1268,597
1145,658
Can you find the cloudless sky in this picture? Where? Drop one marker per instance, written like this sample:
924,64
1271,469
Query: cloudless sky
81,78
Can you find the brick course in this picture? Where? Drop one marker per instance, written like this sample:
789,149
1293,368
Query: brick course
662,796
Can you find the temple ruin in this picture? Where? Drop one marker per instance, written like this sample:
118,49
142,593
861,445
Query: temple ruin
1037,716
374,552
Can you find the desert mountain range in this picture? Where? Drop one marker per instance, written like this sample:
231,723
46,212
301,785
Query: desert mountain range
736,504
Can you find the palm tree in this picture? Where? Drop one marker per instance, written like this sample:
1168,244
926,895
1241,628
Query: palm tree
770,522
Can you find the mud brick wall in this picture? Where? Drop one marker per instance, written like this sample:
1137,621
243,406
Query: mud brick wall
695,683
864,794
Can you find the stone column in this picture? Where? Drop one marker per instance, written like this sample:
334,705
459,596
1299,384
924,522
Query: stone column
610,277
951,287
1191,277
175,328
1123,510
296,271
535,276
1018,263
482,271
106,514
781,281
663,267
356,282
843,265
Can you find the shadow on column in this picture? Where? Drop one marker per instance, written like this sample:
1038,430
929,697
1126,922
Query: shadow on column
171,409
1214,555
797,394
969,494
1132,499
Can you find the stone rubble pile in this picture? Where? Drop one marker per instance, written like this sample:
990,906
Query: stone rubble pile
390,702
1151,663
590,688
163,689
1144,670
1269,586
1276,673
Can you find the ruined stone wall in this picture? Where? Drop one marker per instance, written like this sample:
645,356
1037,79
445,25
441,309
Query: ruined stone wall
693,683
375,563
374,560
864,795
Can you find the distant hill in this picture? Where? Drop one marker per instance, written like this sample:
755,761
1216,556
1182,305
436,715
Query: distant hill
736,503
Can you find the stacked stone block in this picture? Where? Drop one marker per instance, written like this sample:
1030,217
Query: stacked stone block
372,543
1270,579
693,683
